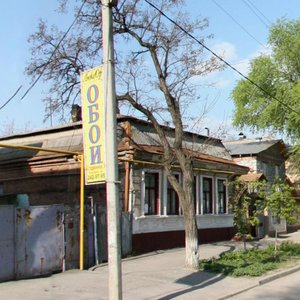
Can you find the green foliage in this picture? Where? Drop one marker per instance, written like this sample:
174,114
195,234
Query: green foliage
290,249
280,203
278,74
294,160
245,206
253,262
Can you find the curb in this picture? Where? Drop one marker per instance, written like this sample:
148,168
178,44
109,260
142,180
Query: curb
263,281
278,275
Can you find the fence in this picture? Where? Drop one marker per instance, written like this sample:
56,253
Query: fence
40,240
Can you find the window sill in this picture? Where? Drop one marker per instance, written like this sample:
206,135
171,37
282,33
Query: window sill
180,216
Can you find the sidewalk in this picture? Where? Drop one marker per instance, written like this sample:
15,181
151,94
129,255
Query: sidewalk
157,275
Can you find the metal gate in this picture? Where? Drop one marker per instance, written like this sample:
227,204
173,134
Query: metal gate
7,240
39,240
31,241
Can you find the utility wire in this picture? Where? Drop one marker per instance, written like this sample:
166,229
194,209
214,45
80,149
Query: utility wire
258,16
221,59
15,93
239,24
52,54
259,11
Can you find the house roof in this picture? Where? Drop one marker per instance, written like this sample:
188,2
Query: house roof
252,177
69,138
250,146
144,134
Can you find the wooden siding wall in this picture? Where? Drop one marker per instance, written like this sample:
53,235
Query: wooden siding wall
54,182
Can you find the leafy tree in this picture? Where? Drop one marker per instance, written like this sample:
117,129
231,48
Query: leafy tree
156,63
280,204
246,203
276,105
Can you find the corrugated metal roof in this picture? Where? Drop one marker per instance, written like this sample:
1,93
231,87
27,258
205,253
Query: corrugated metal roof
248,147
69,140
145,135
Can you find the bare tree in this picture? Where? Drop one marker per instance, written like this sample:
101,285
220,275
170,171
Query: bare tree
157,65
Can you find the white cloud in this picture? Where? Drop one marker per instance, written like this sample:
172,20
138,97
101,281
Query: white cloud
225,50
243,65
218,79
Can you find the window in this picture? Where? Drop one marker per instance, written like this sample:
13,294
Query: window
222,196
277,171
195,194
151,205
265,168
172,200
207,195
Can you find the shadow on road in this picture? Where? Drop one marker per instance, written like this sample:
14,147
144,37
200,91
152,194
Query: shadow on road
196,281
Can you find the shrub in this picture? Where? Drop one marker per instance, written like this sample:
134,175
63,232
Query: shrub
253,262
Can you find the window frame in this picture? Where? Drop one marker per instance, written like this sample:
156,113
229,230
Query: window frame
211,178
157,192
218,196
167,189
196,190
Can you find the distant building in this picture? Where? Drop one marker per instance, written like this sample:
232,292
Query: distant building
264,157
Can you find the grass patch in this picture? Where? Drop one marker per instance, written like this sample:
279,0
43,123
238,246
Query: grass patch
252,262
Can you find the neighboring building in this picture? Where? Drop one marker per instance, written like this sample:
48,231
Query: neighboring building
264,157
156,221
293,179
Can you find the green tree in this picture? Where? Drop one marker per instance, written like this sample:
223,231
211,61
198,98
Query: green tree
280,203
246,203
275,107
156,64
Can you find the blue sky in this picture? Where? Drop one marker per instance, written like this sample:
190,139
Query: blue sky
238,42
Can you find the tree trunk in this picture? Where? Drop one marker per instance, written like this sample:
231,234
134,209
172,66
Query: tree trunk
191,245
191,230
276,240
244,239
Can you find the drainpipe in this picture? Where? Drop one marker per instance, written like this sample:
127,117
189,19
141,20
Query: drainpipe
127,184
94,214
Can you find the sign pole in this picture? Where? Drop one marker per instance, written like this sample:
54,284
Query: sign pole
112,183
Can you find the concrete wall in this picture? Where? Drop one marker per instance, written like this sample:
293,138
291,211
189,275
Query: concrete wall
176,223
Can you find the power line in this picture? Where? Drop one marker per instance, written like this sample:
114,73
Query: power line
15,93
38,78
253,10
52,54
221,59
259,11
239,24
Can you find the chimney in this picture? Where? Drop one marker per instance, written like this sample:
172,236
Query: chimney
241,136
207,131
76,113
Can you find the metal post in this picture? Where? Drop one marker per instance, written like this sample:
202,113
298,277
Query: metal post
81,239
112,188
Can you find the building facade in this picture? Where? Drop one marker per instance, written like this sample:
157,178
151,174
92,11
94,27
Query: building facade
264,157
156,220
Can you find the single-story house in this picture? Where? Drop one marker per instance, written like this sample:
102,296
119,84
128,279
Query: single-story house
264,157
156,222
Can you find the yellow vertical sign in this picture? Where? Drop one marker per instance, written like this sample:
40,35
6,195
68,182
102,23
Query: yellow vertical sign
93,124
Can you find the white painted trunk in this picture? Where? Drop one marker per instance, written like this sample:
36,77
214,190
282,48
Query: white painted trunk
191,253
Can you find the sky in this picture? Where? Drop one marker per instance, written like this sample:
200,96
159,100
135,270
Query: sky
240,29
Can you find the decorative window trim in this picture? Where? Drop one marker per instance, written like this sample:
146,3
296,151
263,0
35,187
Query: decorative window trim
217,196
143,190
165,196
197,194
212,193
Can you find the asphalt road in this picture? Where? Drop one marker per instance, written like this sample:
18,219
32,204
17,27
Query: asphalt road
285,288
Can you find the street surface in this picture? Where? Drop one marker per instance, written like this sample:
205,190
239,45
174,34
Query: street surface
285,288
159,275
